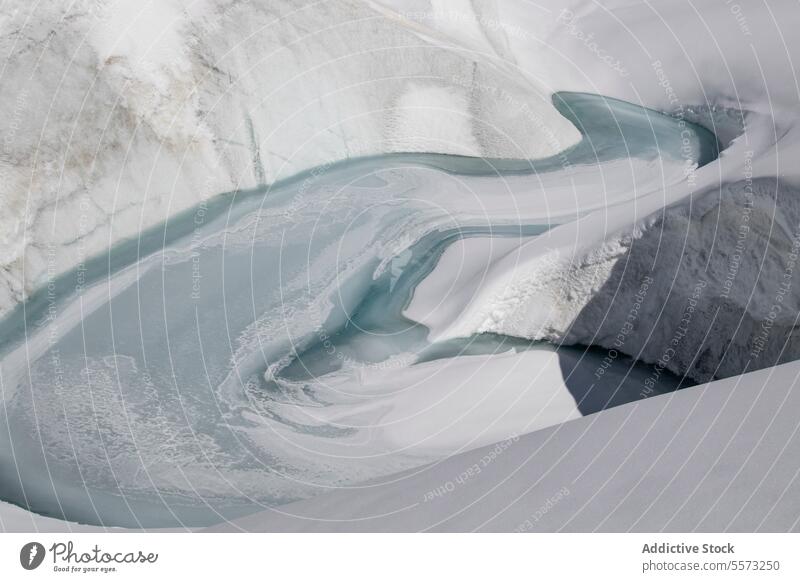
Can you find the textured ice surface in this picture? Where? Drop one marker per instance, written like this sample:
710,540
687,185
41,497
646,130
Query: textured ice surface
123,114
262,355
722,301
133,128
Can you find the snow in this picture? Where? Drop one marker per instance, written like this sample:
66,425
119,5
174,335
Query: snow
172,108
424,116
14,519
662,464
441,407
573,284
718,457
123,115
391,400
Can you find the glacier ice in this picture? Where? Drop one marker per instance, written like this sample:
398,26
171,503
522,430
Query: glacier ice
261,353
122,114
126,123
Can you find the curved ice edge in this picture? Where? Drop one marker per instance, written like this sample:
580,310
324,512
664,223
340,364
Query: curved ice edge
719,299
14,326
717,250
708,459
626,468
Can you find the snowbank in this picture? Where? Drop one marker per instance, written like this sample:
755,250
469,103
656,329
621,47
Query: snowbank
719,457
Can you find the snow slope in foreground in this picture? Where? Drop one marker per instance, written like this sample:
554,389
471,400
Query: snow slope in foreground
711,458
717,457
14,519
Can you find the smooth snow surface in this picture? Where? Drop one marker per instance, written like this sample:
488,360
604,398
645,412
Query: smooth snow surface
664,464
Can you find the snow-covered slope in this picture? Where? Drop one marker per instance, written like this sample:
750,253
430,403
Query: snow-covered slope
719,457
712,458
119,114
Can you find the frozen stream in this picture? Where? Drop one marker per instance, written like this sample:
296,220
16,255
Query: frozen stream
254,351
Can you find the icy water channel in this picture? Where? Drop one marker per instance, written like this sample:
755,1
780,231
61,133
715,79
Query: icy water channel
215,366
